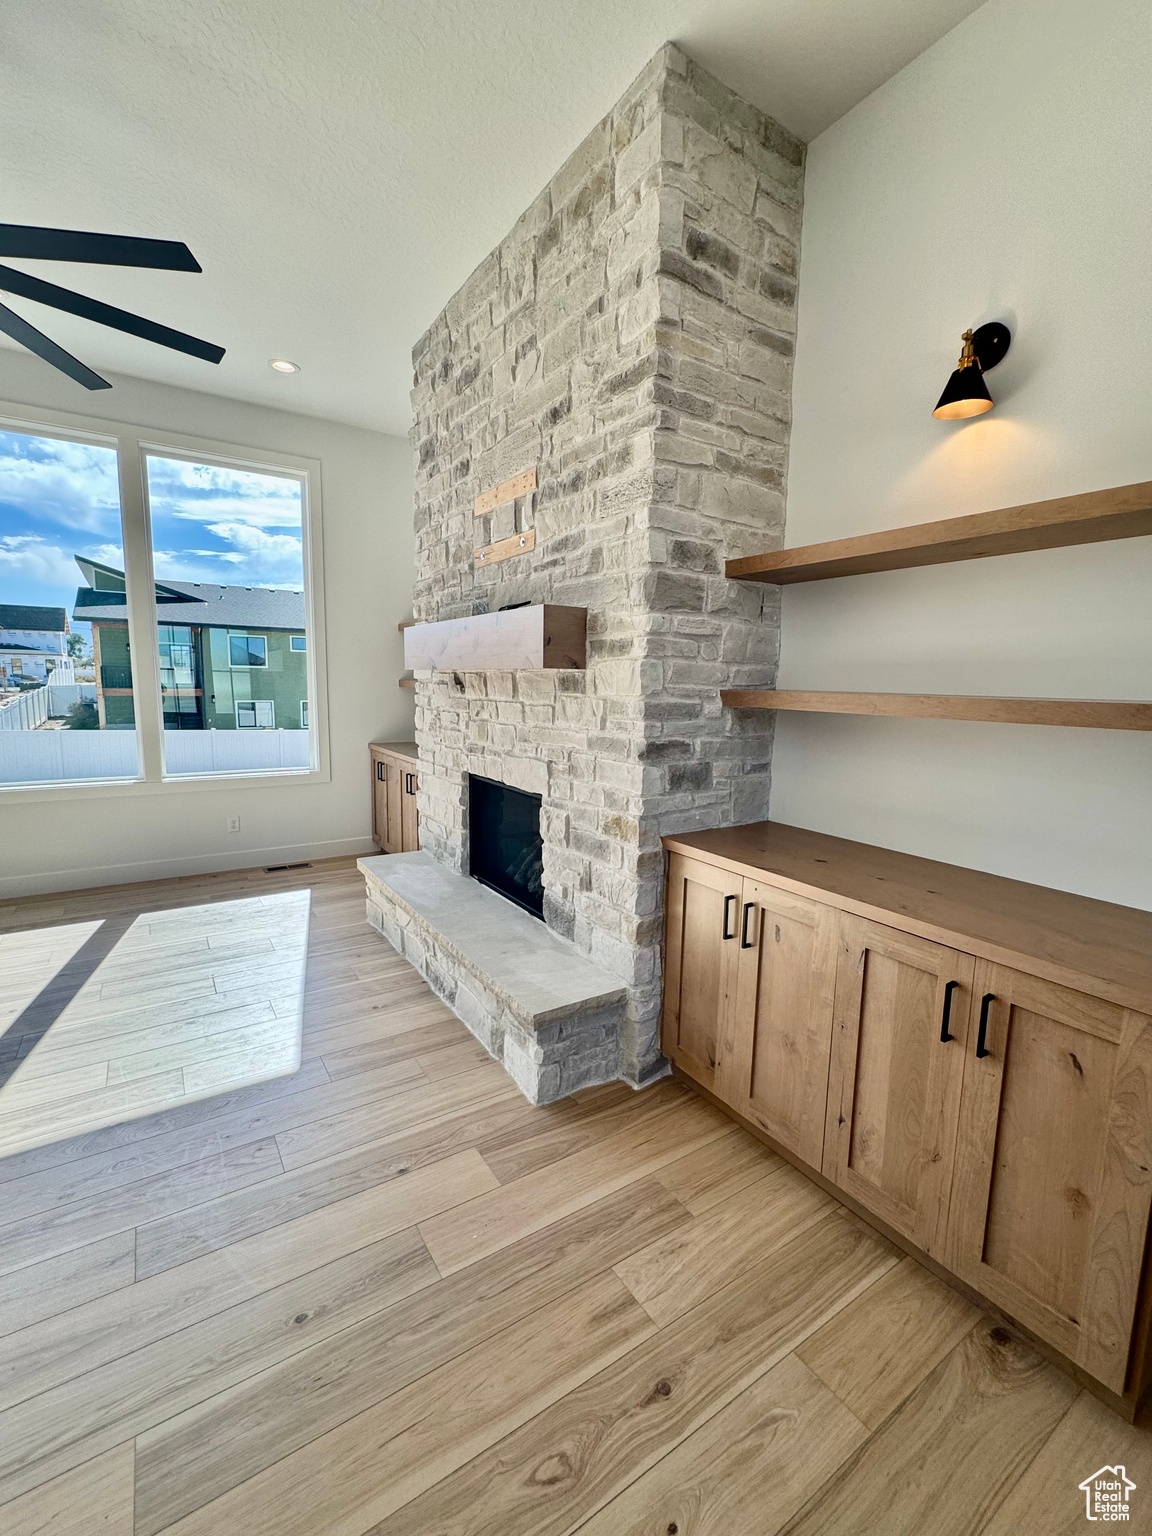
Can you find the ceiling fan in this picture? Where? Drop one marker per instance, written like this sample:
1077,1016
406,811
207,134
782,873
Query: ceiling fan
27,240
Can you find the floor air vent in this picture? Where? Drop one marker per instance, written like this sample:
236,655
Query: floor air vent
275,869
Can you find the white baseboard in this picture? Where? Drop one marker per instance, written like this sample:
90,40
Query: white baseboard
45,881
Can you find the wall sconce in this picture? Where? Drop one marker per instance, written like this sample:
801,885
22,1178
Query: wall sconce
966,393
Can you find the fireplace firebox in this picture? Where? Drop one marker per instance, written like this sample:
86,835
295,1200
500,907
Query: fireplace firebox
506,850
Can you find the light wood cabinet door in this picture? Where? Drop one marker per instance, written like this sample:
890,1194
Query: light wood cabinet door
895,1080
702,952
380,802
1052,1188
395,821
774,1068
394,789
409,821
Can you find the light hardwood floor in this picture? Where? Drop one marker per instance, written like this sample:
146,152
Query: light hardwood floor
120,1015
384,1294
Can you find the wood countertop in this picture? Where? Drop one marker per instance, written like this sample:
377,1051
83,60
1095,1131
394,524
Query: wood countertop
397,748
1062,937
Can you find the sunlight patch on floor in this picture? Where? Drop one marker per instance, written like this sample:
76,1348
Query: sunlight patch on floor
108,1021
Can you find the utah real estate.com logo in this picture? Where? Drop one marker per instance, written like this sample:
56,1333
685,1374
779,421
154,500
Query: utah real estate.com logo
1106,1494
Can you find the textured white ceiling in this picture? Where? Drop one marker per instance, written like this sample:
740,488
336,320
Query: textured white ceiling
340,166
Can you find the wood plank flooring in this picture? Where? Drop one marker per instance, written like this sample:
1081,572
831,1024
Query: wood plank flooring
383,1294
115,1017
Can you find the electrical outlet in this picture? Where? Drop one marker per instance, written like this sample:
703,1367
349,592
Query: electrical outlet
233,823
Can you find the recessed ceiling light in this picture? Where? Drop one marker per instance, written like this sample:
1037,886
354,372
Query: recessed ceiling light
282,365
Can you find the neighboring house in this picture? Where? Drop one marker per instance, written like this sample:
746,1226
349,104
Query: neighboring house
231,658
33,645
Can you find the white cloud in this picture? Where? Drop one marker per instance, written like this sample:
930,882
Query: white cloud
268,513
35,560
275,548
208,493
71,483
256,559
105,554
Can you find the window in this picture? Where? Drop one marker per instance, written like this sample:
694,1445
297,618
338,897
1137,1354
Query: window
228,547
256,714
61,623
181,682
247,651
161,640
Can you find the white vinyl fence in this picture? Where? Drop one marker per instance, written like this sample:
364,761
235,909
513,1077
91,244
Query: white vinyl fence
38,757
51,702
234,751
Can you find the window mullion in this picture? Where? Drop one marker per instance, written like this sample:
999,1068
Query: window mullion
142,635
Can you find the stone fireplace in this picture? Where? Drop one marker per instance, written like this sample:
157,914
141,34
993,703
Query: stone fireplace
632,339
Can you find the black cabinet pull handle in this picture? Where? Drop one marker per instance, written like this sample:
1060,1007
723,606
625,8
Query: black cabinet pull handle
949,988
379,770
982,1035
728,900
407,783
745,941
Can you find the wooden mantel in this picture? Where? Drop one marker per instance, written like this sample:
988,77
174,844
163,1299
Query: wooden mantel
539,635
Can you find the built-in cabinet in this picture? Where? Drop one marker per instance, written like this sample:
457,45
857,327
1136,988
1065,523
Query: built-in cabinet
993,1116
1050,1200
775,1067
898,1047
700,964
395,822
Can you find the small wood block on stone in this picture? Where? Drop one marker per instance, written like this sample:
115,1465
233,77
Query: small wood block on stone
507,490
537,636
504,549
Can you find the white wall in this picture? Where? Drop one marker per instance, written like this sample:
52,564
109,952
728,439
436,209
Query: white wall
366,480
1003,174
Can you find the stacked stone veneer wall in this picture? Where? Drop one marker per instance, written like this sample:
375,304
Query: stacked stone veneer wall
633,338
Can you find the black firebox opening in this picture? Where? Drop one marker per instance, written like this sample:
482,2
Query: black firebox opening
504,837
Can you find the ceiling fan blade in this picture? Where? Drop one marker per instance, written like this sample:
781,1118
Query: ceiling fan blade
28,336
109,250
40,292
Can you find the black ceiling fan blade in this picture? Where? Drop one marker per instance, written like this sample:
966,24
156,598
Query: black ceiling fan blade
28,336
40,292
30,240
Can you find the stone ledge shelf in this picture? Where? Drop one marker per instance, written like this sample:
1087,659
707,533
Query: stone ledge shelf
540,1007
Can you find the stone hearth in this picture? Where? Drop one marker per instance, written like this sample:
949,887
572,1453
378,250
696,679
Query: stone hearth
632,337
551,1016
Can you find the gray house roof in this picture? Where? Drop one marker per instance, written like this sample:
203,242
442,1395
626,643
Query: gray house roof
28,616
190,602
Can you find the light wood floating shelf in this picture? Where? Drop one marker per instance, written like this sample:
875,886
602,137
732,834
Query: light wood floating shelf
1123,512
538,635
407,682
1099,714
405,624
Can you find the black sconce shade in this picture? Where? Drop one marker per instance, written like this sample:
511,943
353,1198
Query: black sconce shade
966,393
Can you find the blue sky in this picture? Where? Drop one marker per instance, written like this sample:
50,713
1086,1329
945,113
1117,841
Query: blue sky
59,499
